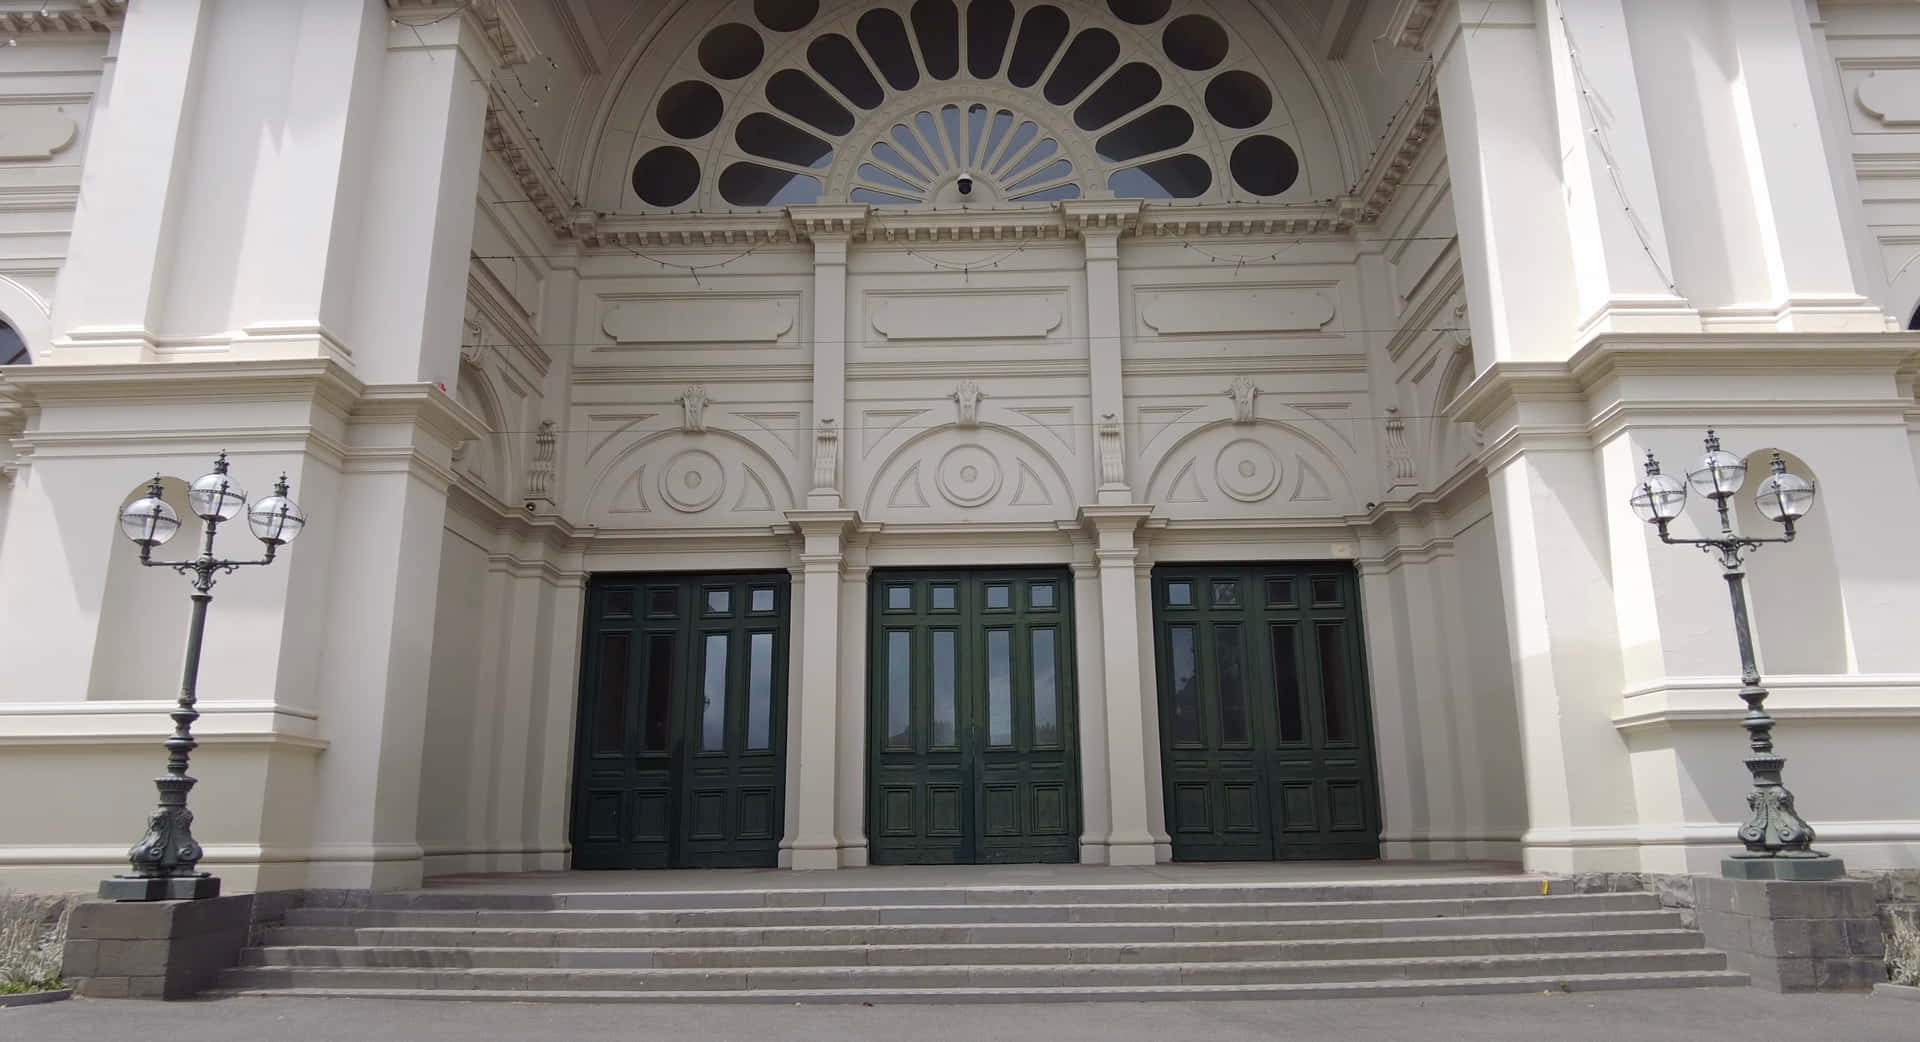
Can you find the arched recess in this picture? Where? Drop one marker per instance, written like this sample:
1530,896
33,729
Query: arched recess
730,105
28,315
1450,441
1266,468
1799,621
669,478
142,627
486,461
988,472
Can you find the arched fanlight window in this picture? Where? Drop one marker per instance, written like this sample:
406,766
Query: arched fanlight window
780,102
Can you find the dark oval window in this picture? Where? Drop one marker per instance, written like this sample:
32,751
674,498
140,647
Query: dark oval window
731,51
1041,33
1087,57
835,60
989,26
937,25
1264,165
884,36
1133,86
1194,41
1139,12
1176,177
1165,127
750,184
771,137
785,16
666,176
689,109
1239,100
794,93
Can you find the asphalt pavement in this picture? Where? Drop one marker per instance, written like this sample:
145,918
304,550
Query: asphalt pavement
1629,1016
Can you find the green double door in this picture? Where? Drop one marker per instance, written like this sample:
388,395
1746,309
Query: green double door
1265,729
680,758
972,749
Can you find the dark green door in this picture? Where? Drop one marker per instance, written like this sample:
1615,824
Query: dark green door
972,751
681,736
1265,729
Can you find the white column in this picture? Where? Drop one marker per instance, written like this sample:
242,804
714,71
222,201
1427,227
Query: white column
1496,90
1552,526
106,305
814,715
1622,269
851,799
558,686
1100,224
1799,210
831,230
1131,840
1089,644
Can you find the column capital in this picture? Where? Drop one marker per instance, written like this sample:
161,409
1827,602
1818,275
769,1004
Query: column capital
828,226
822,532
1102,519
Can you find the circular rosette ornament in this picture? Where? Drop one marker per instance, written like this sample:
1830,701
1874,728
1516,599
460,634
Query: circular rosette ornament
692,481
1247,471
969,476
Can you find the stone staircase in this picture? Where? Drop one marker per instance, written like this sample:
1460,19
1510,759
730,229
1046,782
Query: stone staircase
983,943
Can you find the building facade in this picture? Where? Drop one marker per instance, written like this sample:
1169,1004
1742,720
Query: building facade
832,432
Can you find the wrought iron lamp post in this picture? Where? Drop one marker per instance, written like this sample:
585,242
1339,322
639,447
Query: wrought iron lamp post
1779,843
166,858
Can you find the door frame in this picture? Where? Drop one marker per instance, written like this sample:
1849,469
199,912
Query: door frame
688,628
1067,689
1357,662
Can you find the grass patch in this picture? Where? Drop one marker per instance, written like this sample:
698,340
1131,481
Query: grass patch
33,938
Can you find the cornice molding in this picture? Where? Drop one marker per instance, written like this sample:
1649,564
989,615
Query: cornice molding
86,16
1406,138
506,37
1411,22
513,145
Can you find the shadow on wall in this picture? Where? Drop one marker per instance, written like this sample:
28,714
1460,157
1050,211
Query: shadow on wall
140,619
1797,614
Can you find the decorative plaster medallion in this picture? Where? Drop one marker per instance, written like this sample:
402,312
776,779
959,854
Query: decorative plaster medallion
1890,95
1247,471
692,481
968,476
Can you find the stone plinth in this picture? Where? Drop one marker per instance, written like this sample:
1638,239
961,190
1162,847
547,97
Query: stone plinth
1794,935
154,949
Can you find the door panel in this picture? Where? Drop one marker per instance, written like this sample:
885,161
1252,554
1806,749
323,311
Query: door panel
1266,741
971,708
683,704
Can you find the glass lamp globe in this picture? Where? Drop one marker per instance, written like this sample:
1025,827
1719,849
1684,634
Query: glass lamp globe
1659,497
214,496
149,521
276,520
1784,497
1718,473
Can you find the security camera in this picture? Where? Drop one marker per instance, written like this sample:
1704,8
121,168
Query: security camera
965,184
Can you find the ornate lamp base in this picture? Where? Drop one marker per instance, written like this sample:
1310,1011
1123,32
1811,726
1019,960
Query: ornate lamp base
160,888
1808,866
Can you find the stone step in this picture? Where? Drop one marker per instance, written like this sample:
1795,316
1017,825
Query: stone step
876,978
1490,985
977,933
960,913
1189,893
976,954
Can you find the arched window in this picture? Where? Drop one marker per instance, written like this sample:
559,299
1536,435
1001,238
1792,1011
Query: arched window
13,350
1799,623
977,102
